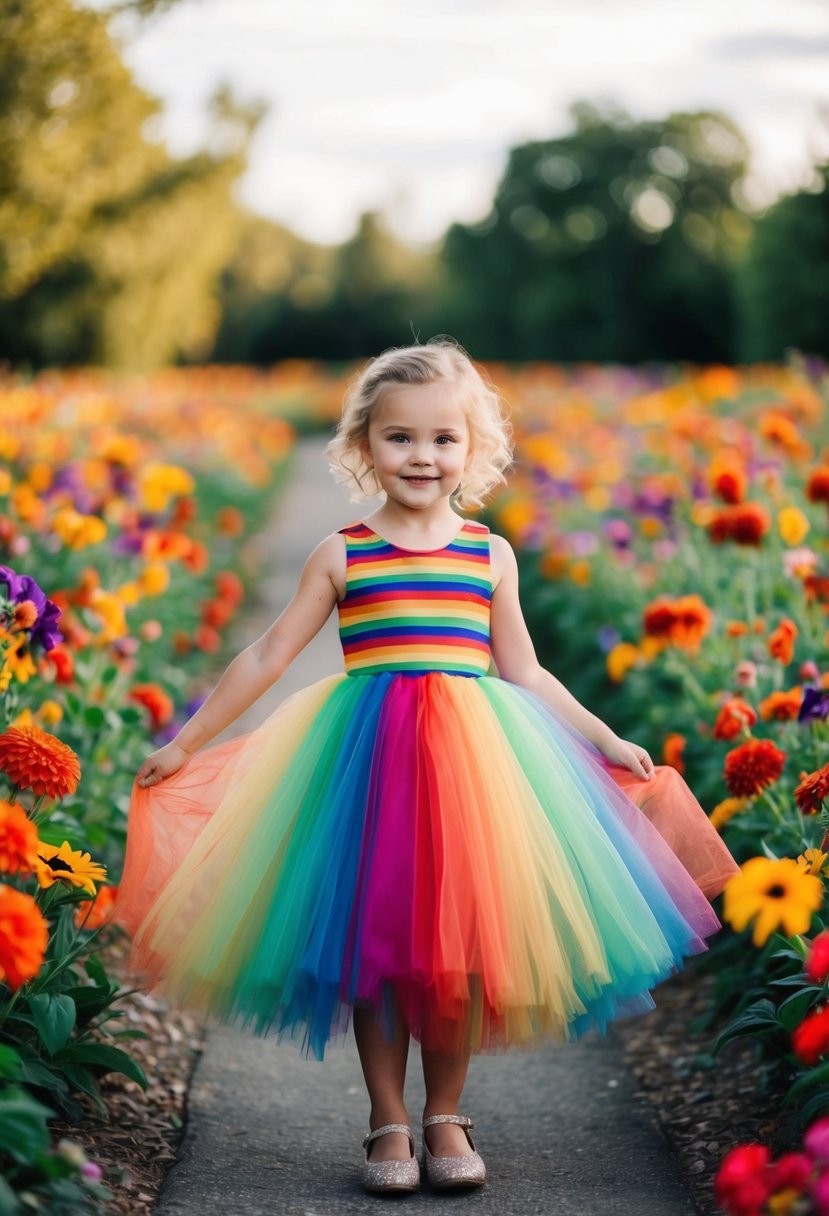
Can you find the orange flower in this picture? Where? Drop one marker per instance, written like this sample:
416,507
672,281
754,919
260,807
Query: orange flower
100,912
752,766
216,613
156,701
735,716
23,937
197,559
230,521
229,587
672,750
782,706
736,629
746,523
33,759
683,621
817,487
728,480
18,839
812,790
207,639
781,641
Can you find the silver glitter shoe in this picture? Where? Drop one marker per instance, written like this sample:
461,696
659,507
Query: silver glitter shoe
391,1175
445,1172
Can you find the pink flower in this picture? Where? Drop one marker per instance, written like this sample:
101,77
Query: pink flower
745,674
816,1142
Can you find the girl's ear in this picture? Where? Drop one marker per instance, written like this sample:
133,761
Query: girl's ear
365,452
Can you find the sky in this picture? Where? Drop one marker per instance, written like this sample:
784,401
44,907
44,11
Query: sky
410,110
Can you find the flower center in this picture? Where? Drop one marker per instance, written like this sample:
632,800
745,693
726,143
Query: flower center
55,863
777,891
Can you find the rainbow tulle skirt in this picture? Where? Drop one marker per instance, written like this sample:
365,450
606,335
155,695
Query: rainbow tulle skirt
445,841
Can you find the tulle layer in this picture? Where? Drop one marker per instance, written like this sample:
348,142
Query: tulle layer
450,841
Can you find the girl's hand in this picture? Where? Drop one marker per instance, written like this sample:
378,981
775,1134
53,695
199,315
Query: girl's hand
161,764
629,755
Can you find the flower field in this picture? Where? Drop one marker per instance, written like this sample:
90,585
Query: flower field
671,525
125,515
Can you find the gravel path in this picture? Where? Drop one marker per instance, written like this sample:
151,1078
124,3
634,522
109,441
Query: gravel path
272,1132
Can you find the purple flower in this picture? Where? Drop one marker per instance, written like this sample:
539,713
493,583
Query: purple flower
815,704
618,532
608,637
23,587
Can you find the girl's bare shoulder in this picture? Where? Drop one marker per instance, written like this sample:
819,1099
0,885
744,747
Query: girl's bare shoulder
328,559
502,558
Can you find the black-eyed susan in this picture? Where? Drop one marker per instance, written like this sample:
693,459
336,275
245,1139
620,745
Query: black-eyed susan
67,865
774,894
813,861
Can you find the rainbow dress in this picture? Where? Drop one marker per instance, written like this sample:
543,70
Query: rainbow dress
415,827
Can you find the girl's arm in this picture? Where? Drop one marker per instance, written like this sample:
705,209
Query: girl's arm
516,660
261,664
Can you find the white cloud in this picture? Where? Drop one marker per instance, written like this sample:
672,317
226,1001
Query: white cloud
376,103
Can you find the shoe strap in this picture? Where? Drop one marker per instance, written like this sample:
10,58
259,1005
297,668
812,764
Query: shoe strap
461,1120
388,1127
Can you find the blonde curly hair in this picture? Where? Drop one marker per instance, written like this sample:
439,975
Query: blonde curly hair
439,359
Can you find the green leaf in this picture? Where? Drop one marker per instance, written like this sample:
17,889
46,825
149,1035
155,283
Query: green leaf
102,1059
818,1104
10,1063
130,714
109,675
23,1130
93,716
815,1076
9,1205
759,1020
55,1019
792,1011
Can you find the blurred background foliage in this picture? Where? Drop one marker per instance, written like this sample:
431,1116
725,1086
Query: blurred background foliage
623,240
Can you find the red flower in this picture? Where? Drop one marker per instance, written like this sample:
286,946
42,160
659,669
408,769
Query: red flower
752,766
812,790
229,587
793,1170
817,962
62,663
746,523
742,1184
735,716
155,700
18,839
817,487
810,1039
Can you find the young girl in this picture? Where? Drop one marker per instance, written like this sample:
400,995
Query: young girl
416,846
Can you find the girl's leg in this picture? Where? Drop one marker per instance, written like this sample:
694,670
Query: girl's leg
444,1077
384,1069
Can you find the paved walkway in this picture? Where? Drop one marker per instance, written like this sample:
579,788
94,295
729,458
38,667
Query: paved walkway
270,1132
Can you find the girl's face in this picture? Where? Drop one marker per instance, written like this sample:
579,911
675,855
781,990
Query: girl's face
418,442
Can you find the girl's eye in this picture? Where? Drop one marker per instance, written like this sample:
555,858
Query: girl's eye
394,438
444,439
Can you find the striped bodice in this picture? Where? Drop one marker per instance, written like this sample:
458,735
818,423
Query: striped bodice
409,610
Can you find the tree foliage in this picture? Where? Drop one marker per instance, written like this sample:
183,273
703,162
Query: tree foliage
612,242
110,249
784,280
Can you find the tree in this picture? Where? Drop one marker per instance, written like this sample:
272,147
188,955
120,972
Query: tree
613,242
784,279
109,248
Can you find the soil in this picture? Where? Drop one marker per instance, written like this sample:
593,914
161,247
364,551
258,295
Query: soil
136,1143
704,1105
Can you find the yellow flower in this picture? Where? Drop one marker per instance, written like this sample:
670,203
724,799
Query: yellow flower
792,525
775,894
597,498
110,609
620,659
813,861
50,713
161,482
76,530
24,718
580,573
5,482
154,579
15,666
726,809
67,865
